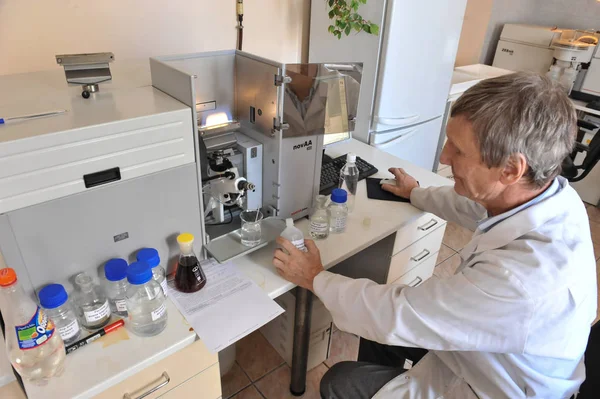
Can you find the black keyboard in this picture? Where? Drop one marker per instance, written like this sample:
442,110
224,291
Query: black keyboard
330,172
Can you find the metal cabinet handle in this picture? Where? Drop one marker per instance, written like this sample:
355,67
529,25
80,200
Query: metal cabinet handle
421,255
164,376
415,282
428,225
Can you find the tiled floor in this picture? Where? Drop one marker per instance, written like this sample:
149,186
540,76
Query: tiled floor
260,373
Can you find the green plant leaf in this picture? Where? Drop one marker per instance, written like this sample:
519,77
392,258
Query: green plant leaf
363,1
331,14
366,28
331,28
347,30
374,29
331,2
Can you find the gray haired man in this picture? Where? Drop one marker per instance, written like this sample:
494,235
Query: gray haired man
513,321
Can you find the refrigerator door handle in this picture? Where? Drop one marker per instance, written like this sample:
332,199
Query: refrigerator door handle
400,121
393,141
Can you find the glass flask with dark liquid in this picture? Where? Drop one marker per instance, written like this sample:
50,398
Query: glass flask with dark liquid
189,276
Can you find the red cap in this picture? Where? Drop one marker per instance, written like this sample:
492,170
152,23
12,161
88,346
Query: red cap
7,277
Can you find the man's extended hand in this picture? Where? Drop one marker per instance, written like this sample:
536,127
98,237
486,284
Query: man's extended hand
404,183
296,266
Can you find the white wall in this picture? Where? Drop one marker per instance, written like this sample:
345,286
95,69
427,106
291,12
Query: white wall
32,32
582,14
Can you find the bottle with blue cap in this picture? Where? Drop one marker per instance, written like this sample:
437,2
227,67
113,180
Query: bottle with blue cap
91,303
338,211
151,257
55,300
146,305
115,271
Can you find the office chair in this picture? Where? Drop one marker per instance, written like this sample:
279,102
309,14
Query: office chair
575,173
591,386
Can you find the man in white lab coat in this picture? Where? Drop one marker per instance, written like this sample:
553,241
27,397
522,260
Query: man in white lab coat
514,319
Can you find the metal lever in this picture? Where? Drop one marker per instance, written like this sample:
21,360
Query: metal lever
419,258
418,280
428,225
152,390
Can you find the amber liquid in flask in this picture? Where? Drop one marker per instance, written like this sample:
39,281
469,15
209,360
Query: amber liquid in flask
189,276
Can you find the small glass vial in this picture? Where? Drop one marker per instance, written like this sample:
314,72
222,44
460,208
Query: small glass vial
145,301
115,271
319,220
338,211
189,276
151,257
55,301
91,304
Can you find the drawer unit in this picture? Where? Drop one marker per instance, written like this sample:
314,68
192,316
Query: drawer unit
407,259
164,376
416,230
418,274
280,331
206,385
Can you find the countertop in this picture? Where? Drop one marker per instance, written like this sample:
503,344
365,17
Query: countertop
370,222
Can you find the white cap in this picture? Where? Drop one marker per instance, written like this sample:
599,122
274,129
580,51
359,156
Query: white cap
289,222
351,157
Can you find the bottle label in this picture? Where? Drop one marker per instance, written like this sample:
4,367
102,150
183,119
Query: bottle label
319,227
300,245
102,312
36,332
69,331
158,312
338,223
164,287
121,305
198,273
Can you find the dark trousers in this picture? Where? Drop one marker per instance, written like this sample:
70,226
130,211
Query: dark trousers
376,366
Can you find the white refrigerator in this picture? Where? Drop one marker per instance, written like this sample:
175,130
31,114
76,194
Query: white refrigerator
407,71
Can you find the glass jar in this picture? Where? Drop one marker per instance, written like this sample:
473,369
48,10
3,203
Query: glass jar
319,220
151,257
145,301
91,303
115,271
55,301
338,211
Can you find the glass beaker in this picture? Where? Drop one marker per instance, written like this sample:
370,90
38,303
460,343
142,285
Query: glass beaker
251,232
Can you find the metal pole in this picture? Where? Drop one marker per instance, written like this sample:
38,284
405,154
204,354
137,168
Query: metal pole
304,300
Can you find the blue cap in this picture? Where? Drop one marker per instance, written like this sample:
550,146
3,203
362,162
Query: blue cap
339,196
139,273
115,269
149,255
53,296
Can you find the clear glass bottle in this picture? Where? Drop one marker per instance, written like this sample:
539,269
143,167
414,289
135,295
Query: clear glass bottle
145,301
151,257
349,180
319,220
338,211
55,301
189,276
115,271
34,347
91,304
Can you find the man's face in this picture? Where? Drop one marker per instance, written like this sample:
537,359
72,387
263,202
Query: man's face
473,179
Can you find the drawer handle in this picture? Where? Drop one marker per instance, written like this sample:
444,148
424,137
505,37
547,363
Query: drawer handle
428,225
421,255
164,376
415,282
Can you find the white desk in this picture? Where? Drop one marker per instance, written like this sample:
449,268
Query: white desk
98,367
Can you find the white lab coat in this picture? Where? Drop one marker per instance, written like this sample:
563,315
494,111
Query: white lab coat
512,322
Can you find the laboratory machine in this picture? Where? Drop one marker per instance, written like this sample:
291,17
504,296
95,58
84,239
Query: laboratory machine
259,129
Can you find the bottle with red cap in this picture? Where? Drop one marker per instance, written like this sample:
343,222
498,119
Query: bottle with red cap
33,342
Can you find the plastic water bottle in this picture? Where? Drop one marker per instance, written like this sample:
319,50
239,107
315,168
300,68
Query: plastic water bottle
338,211
294,235
115,271
349,179
151,257
91,304
145,301
319,220
55,301
33,343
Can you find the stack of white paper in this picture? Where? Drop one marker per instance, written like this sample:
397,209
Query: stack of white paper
229,307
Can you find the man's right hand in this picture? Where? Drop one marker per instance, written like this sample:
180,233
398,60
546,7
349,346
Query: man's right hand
404,183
